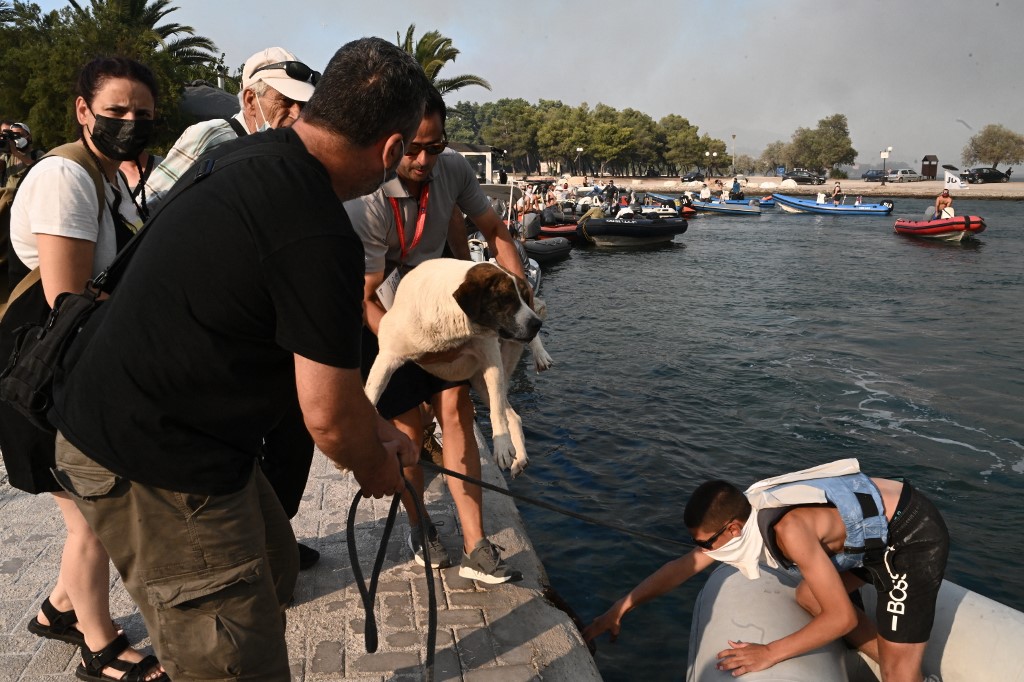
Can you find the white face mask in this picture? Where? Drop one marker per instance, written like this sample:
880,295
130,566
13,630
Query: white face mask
21,142
743,552
266,124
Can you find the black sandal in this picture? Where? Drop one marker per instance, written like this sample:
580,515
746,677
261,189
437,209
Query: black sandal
95,661
62,625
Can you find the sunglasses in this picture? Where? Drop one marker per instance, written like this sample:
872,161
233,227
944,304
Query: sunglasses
709,544
294,70
414,150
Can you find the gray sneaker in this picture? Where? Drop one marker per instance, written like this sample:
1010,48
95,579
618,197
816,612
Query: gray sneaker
438,554
484,564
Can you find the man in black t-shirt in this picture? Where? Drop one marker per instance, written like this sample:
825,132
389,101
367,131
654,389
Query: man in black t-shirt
244,290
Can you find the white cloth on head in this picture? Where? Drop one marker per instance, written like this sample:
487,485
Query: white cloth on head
748,550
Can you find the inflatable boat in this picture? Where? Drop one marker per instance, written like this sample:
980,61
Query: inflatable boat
550,250
974,638
630,232
951,229
793,204
735,207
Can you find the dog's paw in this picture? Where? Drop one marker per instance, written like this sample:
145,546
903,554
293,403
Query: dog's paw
519,465
504,452
542,361
540,308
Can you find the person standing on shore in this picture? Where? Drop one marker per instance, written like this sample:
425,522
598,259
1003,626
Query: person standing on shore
943,206
402,225
275,86
243,294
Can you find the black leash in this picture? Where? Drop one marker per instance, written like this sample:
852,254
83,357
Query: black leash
427,464
369,594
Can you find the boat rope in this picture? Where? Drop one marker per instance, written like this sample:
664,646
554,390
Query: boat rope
426,464
583,229
369,594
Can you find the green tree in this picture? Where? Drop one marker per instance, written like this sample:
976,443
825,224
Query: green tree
995,144
463,124
561,130
826,146
773,156
511,125
177,41
45,53
644,149
433,51
682,150
833,144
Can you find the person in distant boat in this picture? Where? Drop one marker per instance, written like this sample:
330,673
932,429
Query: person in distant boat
705,192
610,192
841,529
735,192
595,211
942,202
836,193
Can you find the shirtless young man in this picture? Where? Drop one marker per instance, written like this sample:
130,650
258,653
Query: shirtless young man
903,545
942,202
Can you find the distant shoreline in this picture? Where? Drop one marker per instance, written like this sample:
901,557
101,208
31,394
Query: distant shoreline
927,189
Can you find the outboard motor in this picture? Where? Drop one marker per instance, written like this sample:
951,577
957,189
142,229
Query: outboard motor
531,225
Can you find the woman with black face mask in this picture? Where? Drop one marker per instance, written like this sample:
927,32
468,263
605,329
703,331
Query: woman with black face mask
58,225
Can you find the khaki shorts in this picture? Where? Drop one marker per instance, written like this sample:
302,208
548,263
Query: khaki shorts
211,574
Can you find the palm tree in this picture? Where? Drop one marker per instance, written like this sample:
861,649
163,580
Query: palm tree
143,16
433,51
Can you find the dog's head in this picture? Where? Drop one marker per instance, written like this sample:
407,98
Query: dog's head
496,299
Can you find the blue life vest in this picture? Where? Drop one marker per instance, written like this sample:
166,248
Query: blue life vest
859,504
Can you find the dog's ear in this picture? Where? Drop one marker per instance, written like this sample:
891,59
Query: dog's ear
473,291
470,297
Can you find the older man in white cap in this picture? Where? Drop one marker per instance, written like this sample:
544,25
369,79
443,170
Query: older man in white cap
275,85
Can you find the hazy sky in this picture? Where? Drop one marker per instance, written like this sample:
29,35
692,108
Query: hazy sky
920,75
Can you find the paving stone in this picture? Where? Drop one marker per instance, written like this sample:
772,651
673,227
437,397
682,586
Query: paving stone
388,660
481,635
329,657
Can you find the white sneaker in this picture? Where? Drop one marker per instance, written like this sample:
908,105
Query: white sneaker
438,554
484,564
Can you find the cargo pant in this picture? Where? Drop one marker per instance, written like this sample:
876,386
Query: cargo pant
211,574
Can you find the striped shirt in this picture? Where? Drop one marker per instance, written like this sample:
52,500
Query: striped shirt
196,140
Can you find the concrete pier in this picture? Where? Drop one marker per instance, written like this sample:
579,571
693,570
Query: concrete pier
507,632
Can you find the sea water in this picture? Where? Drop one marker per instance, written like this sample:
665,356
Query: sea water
751,347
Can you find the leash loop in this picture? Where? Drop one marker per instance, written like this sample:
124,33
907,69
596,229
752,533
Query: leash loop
369,594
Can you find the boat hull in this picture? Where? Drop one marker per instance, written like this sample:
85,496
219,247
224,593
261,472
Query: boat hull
641,232
792,204
954,229
567,230
550,250
730,607
740,208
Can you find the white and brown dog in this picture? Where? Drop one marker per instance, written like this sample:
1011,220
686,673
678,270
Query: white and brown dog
483,312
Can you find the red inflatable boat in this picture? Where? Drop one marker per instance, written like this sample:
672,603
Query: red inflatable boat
951,229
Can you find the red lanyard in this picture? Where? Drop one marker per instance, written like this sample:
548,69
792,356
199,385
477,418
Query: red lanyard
421,221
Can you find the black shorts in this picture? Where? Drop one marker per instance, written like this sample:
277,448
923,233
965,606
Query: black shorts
909,572
408,387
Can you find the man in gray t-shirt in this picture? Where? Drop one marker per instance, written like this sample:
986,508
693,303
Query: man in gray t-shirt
401,225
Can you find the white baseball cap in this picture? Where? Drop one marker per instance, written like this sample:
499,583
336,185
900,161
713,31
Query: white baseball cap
280,69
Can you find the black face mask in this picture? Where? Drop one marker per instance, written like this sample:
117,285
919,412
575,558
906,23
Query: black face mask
121,139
